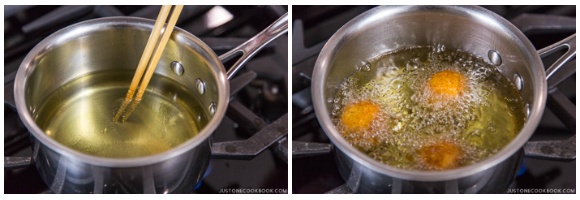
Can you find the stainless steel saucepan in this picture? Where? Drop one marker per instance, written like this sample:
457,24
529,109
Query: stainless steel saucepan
115,44
468,28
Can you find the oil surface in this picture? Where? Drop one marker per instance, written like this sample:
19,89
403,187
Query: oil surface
419,127
79,115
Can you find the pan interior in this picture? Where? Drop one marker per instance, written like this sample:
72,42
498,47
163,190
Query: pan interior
79,115
428,108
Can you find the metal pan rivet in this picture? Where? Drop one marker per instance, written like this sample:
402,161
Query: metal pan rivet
518,81
527,109
212,109
494,57
200,86
177,68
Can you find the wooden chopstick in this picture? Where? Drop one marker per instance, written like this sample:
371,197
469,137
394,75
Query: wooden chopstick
152,44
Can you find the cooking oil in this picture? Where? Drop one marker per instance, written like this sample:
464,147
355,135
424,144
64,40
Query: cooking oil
79,115
476,114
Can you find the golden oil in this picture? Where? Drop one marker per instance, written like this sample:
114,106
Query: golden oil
80,116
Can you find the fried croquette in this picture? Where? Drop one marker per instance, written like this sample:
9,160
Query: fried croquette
442,155
359,116
447,83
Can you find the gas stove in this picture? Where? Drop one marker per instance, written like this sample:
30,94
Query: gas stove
256,120
314,167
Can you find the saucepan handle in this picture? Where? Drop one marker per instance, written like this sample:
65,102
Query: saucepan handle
255,44
270,135
558,103
563,67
